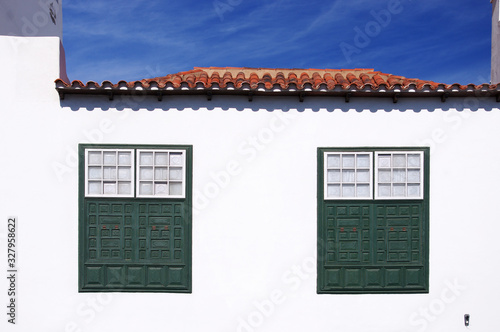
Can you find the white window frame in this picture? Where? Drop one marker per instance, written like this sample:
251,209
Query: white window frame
421,175
370,171
374,174
102,180
167,181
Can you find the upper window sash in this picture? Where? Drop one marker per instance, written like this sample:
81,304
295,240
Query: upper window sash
399,175
109,173
161,173
348,175
374,175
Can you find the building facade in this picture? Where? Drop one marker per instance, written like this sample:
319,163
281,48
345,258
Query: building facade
247,199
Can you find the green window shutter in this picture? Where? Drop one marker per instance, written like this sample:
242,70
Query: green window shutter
135,244
373,245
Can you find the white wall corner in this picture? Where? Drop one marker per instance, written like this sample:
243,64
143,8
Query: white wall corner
31,65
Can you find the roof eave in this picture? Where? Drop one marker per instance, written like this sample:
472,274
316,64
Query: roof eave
394,93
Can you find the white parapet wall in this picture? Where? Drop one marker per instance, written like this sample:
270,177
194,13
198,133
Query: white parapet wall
29,66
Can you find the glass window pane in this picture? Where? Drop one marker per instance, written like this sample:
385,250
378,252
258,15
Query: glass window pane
398,190
347,175
333,160
161,173
348,190
399,160
384,190
413,160
175,173
109,173
157,168
95,188
413,190
105,167
146,188
363,190
124,173
348,160
405,168
109,188
413,175
384,176
161,189
176,159
175,188
124,158
333,175
95,172
124,188
146,173
161,158
384,160
399,176
95,158
110,158
146,158
363,160
363,176
333,190
346,170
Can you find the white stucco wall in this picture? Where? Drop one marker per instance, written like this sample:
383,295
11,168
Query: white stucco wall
254,239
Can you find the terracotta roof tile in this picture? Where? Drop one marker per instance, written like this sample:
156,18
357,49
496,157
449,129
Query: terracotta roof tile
292,78
254,80
332,81
202,78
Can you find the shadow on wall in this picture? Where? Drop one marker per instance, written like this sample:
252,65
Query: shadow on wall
269,104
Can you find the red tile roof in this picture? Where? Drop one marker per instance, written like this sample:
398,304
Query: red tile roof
262,81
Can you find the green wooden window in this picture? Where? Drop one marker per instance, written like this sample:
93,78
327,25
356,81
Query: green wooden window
373,220
135,218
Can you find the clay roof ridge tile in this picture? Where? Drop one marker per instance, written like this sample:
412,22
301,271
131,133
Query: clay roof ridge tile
267,79
392,80
330,81
63,82
353,80
280,80
202,78
365,78
317,80
92,84
342,81
176,81
77,82
190,79
379,80
226,78
303,80
214,79
254,80
240,80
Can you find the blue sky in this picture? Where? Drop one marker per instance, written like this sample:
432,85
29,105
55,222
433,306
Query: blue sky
439,40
